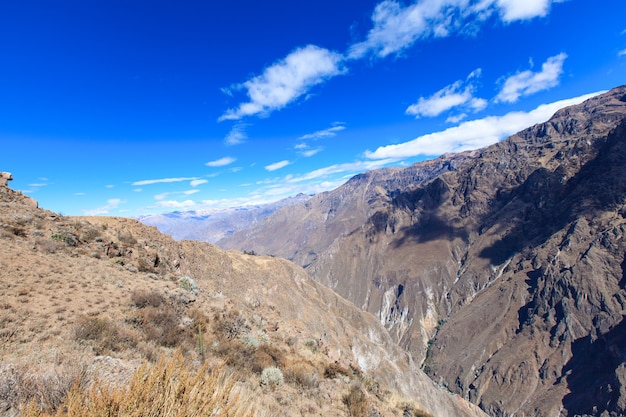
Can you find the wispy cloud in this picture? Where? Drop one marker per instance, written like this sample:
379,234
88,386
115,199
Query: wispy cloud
622,52
112,204
195,183
277,165
324,133
162,181
473,134
287,80
237,134
396,28
459,94
308,152
528,82
227,160
351,168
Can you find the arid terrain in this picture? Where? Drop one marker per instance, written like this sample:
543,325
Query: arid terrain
85,302
502,275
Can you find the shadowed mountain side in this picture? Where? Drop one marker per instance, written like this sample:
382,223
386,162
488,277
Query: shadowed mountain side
488,256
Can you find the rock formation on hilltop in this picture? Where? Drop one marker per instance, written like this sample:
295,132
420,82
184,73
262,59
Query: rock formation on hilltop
506,275
87,299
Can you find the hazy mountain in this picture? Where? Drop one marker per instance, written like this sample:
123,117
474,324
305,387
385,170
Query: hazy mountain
307,229
213,225
505,275
87,300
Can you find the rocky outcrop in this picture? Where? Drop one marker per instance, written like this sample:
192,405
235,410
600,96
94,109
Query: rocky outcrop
5,177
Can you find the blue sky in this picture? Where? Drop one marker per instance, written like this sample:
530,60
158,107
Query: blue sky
129,108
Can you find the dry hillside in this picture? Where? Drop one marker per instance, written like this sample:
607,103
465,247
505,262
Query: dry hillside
84,302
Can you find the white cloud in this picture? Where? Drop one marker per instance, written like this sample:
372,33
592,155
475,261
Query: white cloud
622,52
511,10
351,168
277,165
110,186
457,118
162,180
457,94
325,133
237,134
195,183
528,82
112,204
227,160
190,192
396,27
473,134
161,196
287,80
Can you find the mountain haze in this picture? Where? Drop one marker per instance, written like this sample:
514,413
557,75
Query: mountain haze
211,226
505,275
307,229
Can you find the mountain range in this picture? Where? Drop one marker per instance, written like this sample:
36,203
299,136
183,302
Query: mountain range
502,271
108,316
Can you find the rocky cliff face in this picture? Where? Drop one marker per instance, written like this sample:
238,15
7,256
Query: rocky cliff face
505,276
508,273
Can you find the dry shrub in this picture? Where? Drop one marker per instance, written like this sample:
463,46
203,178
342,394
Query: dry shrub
49,246
230,325
107,335
126,237
302,374
409,410
247,359
160,325
45,389
167,389
356,402
143,298
88,234
333,370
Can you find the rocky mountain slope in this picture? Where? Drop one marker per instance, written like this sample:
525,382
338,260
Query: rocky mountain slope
506,275
307,229
211,226
87,300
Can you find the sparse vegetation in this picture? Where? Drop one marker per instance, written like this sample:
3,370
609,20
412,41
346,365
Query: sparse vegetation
189,284
65,236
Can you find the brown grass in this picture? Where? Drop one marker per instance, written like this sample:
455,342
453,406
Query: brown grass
356,402
170,388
